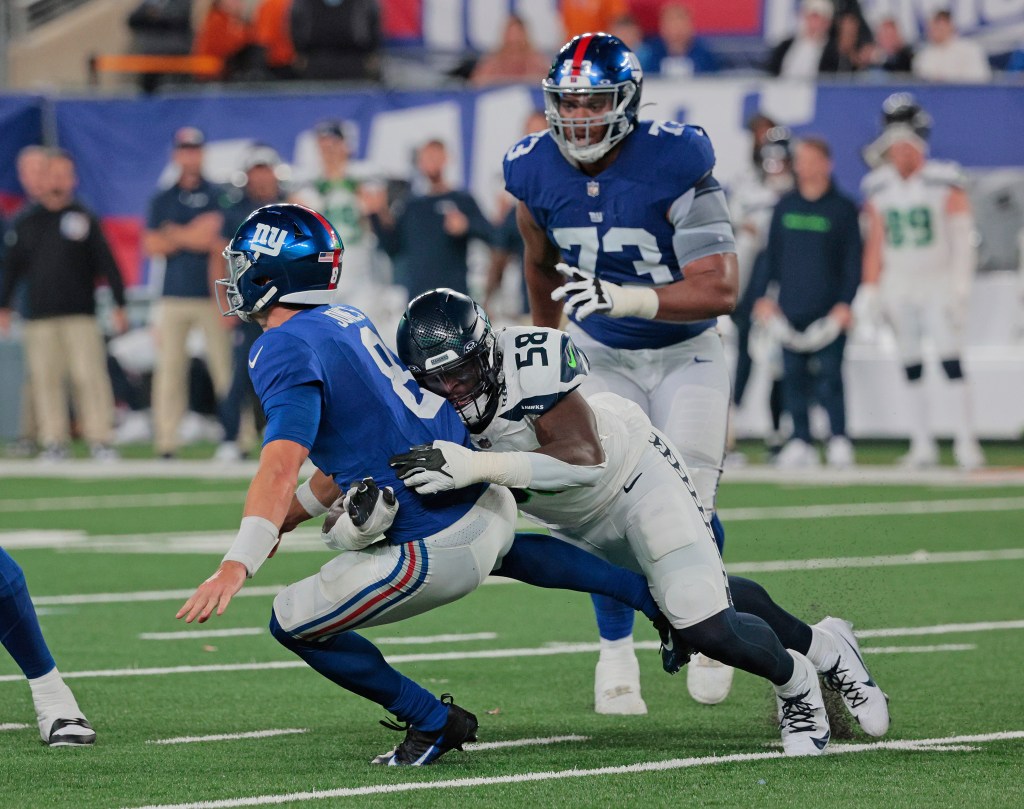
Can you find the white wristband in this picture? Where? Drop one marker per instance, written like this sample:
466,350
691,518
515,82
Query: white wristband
257,537
635,301
309,501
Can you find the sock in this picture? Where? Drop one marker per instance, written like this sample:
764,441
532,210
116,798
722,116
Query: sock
351,661
19,626
959,402
796,683
920,427
51,692
614,619
545,561
612,649
822,650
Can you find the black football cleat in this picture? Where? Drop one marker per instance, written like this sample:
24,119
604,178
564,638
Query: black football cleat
420,748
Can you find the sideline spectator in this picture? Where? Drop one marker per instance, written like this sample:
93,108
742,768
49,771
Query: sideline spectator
629,31
184,225
58,249
677,50
814,254
262,187
337,40
949,57
161,27
853,55
812,50
429,237
515,59
891,53
581,16
272,32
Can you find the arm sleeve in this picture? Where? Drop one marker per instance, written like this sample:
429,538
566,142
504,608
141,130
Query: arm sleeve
387,237
701,221
104,264
293,415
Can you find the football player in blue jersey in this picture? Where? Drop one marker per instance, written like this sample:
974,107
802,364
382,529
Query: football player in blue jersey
627,230
333,392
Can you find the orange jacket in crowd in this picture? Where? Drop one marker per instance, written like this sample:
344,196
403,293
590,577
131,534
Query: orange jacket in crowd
272,29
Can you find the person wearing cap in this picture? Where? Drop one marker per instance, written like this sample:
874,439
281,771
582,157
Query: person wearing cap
919,262
814,255
183,226
812,50
261,165
336,194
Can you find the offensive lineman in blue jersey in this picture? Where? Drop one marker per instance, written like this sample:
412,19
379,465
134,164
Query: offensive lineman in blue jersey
333,392
629,210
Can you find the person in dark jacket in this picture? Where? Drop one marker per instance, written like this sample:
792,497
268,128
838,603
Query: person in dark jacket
58,250
428,237
337,40
814,255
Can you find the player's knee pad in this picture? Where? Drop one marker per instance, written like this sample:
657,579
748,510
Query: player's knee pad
692,596
914,372
953,369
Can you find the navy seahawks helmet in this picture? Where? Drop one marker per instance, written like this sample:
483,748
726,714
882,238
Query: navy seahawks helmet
592,93
447,342
280,254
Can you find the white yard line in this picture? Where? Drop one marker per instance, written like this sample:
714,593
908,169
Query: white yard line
942,647
146,595
121,501
476,746
881,509
417,657
224,737
938,629
895,560
13,726
190,634
920,745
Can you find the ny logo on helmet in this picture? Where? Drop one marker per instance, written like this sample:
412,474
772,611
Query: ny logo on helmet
268,240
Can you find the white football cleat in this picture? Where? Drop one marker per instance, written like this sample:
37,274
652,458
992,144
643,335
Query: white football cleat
839,453
968,454
66,727
846,673
708,681
617,683
801,709
798,454
922,455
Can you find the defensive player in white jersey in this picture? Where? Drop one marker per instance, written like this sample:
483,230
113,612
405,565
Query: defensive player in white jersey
919,257
633,209
597,473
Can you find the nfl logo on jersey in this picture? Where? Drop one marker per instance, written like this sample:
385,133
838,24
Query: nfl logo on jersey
593,188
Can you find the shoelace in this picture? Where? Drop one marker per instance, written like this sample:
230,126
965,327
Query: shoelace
836,679
797,713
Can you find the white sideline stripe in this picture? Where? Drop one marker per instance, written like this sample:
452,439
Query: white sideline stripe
120,501
476,746
259,630
418,657
921,745
942,647
146,595
224,737
203,633
13,726
872,509
938,629
915,558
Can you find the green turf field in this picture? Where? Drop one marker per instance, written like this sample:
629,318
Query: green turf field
957,736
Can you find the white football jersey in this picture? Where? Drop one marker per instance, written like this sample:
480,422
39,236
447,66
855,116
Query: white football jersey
541,367
913,211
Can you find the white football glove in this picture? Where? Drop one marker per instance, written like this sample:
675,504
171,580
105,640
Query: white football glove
440,467
585,294
359,517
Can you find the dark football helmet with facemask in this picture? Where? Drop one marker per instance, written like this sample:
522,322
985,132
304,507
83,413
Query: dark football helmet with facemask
447,342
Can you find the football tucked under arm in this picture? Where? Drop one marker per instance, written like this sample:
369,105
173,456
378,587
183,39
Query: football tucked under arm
359,517
444,466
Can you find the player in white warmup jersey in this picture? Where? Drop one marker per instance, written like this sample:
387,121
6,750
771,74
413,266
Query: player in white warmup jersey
918,263
600,476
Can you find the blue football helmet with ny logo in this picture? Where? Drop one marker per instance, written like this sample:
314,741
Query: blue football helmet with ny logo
592,95
281,253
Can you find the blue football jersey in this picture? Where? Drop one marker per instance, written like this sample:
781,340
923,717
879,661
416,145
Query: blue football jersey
371,409
637,222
